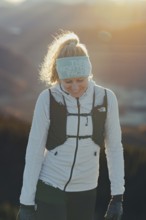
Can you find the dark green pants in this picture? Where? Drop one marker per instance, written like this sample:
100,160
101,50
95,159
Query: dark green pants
54,204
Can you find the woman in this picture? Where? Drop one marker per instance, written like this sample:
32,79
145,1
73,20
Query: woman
72,120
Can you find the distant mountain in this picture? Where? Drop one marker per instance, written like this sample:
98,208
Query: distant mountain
16,78
15,65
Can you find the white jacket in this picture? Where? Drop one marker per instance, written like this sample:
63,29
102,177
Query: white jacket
54,167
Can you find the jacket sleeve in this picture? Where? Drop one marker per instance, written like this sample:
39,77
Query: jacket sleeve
35,149
113,146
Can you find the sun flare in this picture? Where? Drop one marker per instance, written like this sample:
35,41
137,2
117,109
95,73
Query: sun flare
119,14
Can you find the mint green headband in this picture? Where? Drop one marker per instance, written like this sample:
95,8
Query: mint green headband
73,67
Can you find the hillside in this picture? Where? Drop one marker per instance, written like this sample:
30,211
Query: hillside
13,141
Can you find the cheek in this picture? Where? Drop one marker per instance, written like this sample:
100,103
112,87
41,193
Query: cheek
85,85
67,87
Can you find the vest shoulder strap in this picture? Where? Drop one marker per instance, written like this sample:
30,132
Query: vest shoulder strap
105,101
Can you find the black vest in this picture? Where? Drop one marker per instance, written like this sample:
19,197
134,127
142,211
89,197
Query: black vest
58,118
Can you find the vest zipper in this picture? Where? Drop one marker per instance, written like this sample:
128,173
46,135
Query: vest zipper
77,142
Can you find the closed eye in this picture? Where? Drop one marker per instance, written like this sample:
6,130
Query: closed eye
80,80
68,82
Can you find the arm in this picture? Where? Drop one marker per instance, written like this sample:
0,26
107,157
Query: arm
35,149
113,146
115,159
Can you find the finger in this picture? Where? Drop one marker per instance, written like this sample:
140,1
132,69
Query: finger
119,217
115,217
18,215
108,218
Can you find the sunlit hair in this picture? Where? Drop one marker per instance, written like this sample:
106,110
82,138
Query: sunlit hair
66,44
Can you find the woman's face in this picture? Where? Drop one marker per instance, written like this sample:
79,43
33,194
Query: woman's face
75,86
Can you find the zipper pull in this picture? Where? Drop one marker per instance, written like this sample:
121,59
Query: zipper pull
78,103
86,124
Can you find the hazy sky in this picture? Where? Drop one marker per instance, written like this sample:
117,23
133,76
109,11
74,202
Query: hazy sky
67,1
79,1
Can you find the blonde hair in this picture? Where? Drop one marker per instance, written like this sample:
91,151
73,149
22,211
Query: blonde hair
65,44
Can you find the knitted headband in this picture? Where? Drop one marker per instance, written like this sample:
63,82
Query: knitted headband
73,67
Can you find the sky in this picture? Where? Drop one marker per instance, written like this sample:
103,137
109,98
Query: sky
67,1
79,1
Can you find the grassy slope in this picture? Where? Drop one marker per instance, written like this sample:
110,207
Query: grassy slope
13,141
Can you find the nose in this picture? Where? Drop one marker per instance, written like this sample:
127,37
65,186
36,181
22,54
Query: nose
75,86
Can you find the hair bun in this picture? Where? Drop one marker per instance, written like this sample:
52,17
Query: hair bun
73,43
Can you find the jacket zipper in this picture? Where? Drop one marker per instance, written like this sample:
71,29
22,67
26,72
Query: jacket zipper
76,149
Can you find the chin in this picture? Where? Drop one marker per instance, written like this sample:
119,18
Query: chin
76,95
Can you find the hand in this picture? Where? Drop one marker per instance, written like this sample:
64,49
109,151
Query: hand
115,208
26,212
